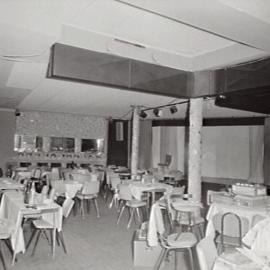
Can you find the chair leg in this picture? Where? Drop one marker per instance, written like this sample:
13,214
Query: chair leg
1,256
82,208
61,238
97,208
175,260
138,214
53,242
131,217
37,238
191,258
161,257
31,238
120,214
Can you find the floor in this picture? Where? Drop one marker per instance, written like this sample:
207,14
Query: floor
92,243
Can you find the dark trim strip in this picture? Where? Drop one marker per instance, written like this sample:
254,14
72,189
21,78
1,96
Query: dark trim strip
240,121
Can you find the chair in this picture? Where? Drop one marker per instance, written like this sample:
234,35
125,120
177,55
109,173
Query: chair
206,253
127,201
66,209
6,228
231,229
114,182
41,226
165,203
183,241
189,215
89,192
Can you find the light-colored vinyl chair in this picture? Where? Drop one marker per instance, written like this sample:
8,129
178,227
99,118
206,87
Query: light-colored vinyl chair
127,201
89,192
66,209
114,182
6,228
206,253
41,226
183,241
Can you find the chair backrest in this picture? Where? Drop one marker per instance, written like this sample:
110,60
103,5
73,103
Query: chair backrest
230,224
115,181
36,173
90,188
81,177
124,192
55,174
207,253
51,194
67,206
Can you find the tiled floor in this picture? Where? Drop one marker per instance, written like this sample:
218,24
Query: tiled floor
92,243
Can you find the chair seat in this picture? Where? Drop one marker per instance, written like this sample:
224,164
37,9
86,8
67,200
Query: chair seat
184,240
194,221
135,203
228,240
86,196
42,224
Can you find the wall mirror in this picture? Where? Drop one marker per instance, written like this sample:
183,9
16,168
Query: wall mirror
62,144
92,145
27,143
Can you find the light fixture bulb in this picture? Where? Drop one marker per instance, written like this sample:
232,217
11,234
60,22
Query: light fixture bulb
173,109
143,114
157,112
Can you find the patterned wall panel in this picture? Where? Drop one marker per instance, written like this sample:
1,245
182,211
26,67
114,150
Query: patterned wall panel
61,125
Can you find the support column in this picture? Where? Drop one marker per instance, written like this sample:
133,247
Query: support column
135,141
195,148
266,157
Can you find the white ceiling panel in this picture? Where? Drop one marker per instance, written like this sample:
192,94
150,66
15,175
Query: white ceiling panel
183,34
26,75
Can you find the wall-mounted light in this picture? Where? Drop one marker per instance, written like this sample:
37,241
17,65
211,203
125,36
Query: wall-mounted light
143,114
173,109
157,112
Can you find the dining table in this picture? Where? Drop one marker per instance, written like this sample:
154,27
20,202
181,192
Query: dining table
137,189
7,183
69,188
14,209
240,210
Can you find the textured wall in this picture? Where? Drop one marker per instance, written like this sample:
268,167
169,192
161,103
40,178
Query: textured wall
61,125
7,123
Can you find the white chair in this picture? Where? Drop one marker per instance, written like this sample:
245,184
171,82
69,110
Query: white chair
127,201
207,253
183,241
41,226
89,192
114,182
66,209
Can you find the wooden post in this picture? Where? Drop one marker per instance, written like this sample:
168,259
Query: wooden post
135,141
195,148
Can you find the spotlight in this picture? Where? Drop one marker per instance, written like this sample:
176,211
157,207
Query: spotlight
157,112
17,112
143,114
173,109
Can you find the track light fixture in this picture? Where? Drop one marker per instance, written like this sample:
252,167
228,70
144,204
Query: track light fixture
173,109
157,112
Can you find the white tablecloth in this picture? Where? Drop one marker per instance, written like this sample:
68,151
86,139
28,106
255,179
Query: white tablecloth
8,184
68,187
138,188
13,208
241,211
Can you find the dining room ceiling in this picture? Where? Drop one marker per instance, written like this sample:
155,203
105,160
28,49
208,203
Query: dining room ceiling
187,35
